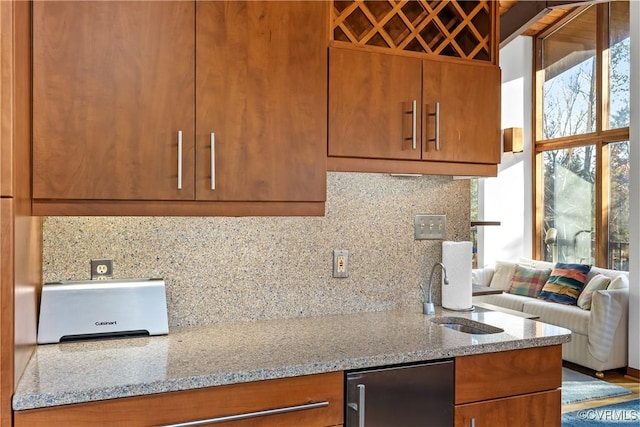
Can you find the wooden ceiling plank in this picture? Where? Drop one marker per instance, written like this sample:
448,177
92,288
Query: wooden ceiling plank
523,15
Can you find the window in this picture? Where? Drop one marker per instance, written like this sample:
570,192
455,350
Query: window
569,78
473,184
618,248
569,209
619,66
581,138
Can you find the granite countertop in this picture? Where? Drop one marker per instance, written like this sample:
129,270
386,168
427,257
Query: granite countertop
194,357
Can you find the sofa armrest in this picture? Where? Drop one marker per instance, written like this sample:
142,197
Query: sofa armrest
482,276
608,308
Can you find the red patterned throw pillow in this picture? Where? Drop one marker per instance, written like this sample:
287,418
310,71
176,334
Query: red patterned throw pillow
528,281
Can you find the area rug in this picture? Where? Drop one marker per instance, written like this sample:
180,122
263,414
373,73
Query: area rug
578,387
622,414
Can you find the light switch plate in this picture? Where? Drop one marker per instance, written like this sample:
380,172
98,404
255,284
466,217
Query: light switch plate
430,227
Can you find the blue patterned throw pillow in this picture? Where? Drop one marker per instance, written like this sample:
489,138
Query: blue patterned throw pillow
565,283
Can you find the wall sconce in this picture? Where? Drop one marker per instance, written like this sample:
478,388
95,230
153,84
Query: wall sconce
512,140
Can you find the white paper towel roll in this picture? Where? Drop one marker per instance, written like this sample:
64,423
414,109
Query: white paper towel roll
456,257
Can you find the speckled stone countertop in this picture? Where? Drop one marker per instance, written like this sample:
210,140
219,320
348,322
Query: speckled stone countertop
194,357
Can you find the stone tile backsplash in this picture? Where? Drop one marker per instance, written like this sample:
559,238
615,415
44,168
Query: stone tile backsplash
224,269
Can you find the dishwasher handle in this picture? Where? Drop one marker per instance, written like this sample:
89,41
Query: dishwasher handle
359,407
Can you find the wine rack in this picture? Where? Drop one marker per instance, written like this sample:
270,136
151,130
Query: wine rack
460,29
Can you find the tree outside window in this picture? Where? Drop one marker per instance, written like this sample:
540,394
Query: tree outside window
582,138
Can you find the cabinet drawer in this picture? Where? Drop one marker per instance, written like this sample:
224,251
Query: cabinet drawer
208,403
532,410
507,373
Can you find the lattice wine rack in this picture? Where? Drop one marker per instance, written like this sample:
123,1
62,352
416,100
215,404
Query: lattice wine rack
462,29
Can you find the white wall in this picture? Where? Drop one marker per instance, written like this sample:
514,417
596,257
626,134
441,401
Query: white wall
502,198
634,191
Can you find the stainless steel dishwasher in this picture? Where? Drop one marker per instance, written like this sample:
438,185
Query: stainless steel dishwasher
419,395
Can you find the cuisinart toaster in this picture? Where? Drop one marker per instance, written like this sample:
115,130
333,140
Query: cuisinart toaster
73,310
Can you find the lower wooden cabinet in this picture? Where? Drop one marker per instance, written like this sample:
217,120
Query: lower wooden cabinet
529,410
511,388
311,401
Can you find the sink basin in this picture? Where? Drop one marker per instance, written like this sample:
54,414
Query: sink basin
468,326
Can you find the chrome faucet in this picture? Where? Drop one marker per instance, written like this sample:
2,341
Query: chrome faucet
427,303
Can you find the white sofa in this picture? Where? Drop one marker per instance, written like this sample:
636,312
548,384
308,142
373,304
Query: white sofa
599,335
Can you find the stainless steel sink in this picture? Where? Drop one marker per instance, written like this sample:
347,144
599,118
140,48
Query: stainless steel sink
468,326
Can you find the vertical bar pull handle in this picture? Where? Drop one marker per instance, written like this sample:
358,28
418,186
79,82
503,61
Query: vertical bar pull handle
438,133
436,114
213,161
179,160
414,124
473,422
360,405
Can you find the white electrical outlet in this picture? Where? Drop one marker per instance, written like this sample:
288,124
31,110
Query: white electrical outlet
340,263
101,269
430,227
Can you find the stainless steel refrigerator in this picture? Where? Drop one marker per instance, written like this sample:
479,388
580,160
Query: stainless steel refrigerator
419,395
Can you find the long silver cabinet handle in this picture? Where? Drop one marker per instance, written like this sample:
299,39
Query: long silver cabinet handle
473,422
179,160
414,124
248,415
213,161
360,405
437,116
437,126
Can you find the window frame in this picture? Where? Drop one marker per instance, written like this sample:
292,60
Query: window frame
601,138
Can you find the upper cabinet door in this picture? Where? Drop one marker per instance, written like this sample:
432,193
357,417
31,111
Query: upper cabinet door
261,79
371,105
113,87
466,128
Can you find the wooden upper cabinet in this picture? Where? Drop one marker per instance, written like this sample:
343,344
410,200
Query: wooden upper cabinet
438,55
6,99
371,111
467,123
113,85
15,103
261,91
129,97
393,107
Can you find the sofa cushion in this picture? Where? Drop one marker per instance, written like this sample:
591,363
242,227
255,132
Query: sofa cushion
620,282
597,283
528,281
565,283
481,276
536,263
502,275
566,316
510,301
612,274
